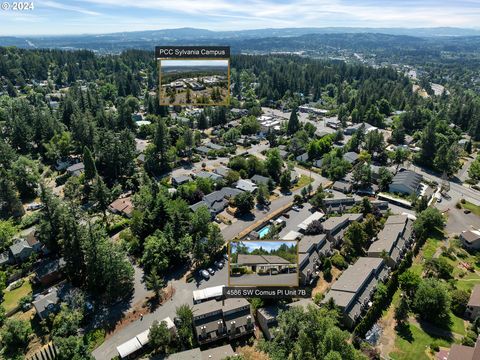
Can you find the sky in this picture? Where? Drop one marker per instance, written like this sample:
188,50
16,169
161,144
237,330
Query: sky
266,245
63,17
167,63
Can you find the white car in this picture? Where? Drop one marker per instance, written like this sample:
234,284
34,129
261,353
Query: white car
34,206
204,274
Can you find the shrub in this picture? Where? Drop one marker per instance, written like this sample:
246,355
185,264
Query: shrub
339,261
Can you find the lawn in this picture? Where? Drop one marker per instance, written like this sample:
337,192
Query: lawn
11,298
430,247
304,180
472,207
414,344
458,326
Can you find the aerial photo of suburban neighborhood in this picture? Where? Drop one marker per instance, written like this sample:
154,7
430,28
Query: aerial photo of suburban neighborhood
335,172
195,82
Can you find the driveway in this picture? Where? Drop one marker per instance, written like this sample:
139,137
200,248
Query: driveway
182,295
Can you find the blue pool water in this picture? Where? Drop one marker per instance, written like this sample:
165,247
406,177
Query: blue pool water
263,231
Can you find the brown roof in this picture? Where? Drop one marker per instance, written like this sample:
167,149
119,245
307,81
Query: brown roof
122,205
244,259
470,236
475,297
461,352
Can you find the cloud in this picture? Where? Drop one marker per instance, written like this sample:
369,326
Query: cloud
59,6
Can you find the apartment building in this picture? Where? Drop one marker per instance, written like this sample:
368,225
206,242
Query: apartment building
227,319
394,240
310,258
353,291
334,227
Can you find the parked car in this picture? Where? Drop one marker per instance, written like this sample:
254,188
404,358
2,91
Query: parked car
34,206
211,271
466,211
204,274
219,264
274,272
295,208
225,256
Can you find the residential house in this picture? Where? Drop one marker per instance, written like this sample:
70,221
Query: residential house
49,272
406,182
470,239
462,352
246,185
259,179
338,205
49,302
342,186
238,113
208,175
22,249
354,289
302,158
350,130
226,319
202,150
76,169
351,157
393,240
262,263
473,307
214,146
221,170
318,163
180,180
122,206
216,201
334,123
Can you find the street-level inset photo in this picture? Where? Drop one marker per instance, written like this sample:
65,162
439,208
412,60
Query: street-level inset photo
194,82
263,263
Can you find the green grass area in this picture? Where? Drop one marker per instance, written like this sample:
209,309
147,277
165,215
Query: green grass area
414,344
11,298
430,247
458,326
472,207
304,180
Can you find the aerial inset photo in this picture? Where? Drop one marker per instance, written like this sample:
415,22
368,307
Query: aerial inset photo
263,263
194,82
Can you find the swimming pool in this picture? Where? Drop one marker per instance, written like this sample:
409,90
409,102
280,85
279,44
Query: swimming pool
263,231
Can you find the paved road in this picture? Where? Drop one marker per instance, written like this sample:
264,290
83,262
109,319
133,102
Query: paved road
183,295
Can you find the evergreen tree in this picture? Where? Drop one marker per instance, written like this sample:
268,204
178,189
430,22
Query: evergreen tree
10,204
89,163
293,123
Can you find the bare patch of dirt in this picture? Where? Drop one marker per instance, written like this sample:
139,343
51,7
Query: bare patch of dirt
251,353
322,285
386,343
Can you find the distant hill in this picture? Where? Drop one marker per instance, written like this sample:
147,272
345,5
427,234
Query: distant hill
148,39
